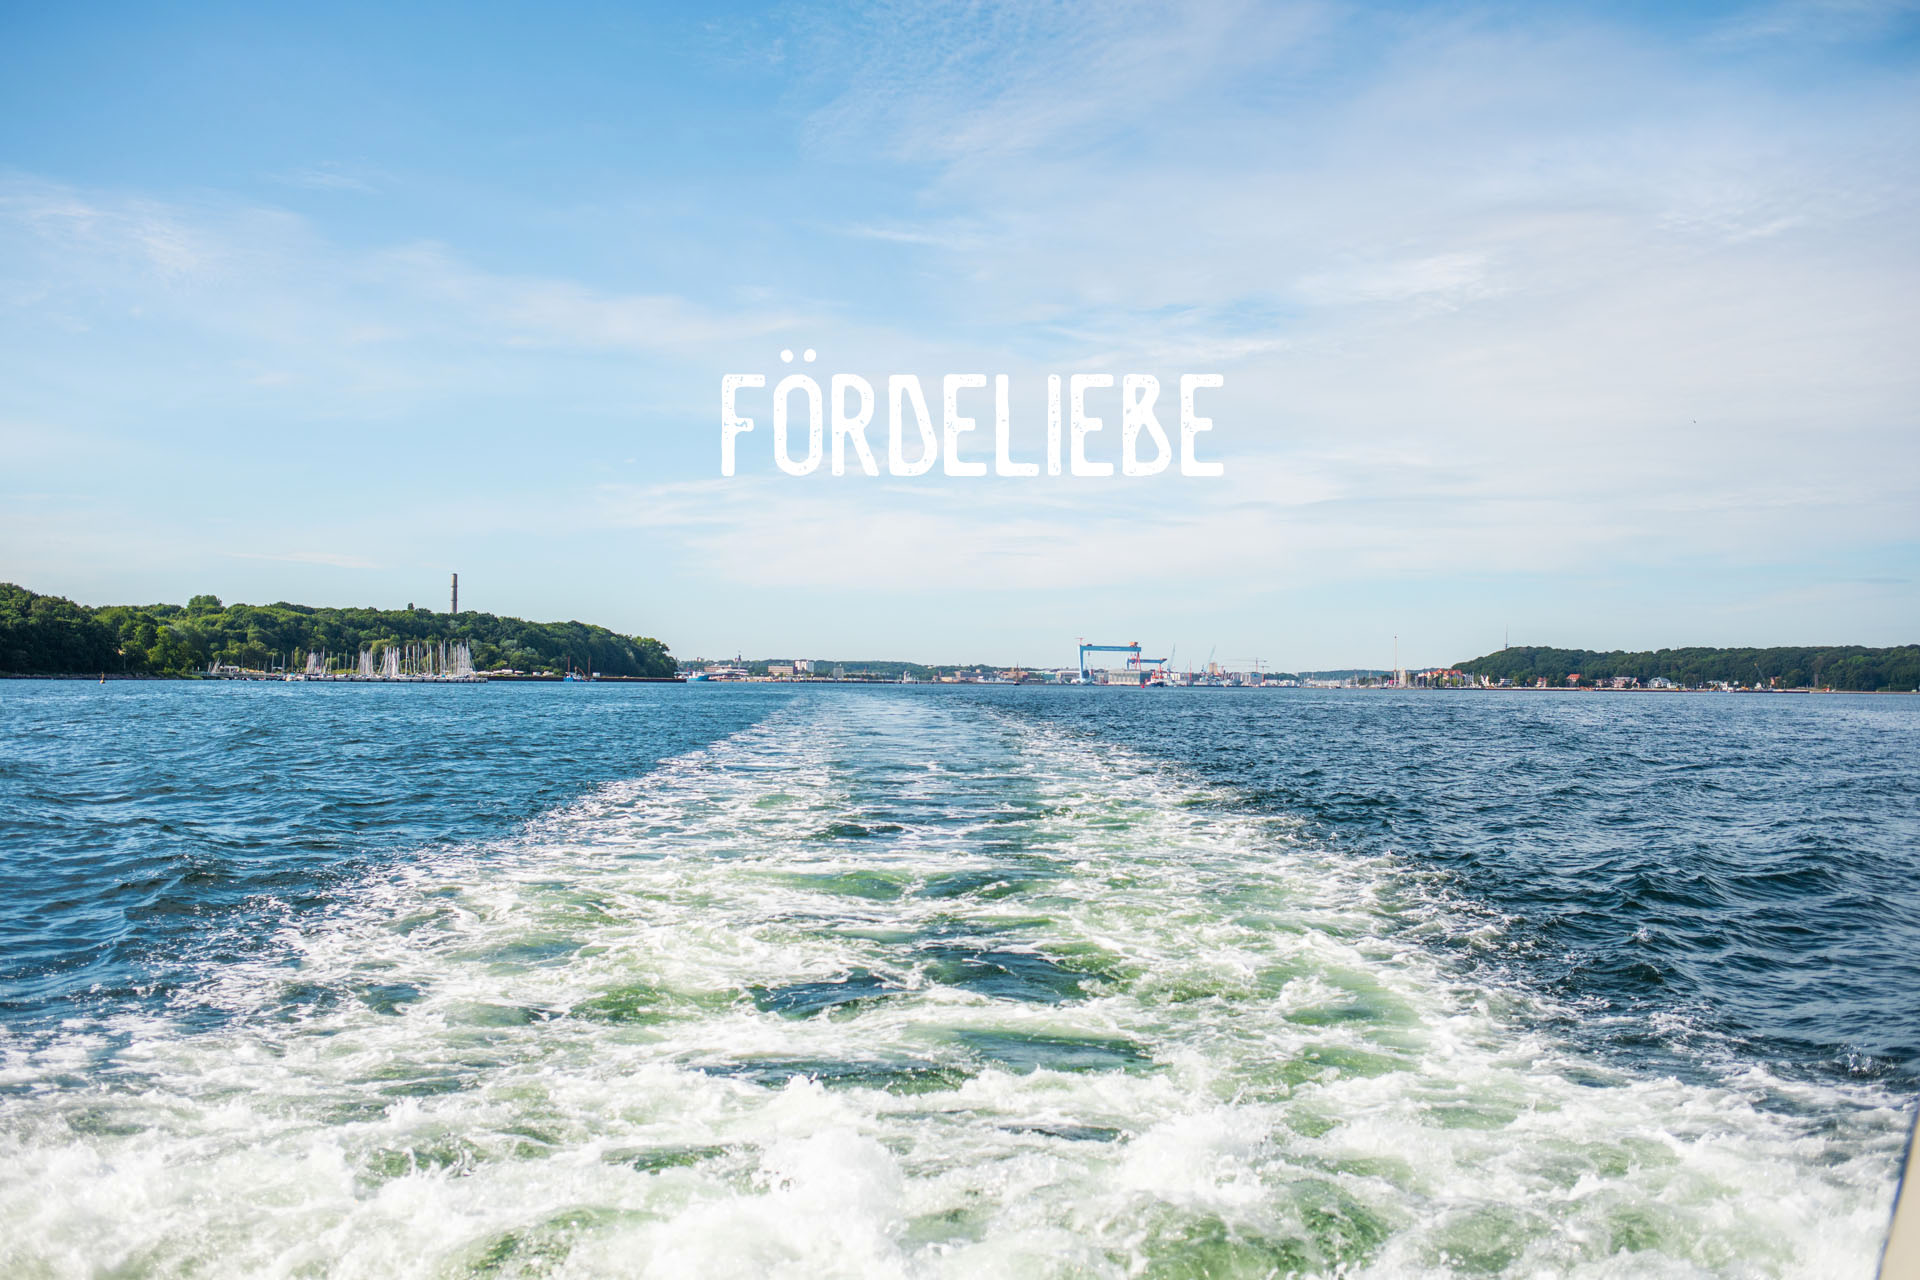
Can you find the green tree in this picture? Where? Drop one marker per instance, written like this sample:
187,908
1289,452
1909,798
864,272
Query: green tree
46,635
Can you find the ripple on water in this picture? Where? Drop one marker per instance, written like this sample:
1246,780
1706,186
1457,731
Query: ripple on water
1058,1019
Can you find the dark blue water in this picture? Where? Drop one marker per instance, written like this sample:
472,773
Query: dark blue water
153,828
485,980
1749,864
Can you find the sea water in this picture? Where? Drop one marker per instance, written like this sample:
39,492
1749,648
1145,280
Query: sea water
801,981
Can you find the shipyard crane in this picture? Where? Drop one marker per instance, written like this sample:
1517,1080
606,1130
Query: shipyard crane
1086,676
1135,662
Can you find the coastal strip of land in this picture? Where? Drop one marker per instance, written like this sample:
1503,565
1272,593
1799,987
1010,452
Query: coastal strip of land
42,635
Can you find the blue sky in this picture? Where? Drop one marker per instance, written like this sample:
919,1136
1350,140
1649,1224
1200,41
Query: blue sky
1595,324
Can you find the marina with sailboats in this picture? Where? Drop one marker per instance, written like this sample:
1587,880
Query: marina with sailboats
447,662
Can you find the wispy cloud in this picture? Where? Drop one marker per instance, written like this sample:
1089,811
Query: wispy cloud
144,232
1817,20
327,177
1003,80
292,309
950,237
1451,279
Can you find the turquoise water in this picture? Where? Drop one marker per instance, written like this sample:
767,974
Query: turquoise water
305,980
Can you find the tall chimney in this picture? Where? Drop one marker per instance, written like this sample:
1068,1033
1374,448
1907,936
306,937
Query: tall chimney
456,593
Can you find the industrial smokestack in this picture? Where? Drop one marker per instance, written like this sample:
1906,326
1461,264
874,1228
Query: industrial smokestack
456,593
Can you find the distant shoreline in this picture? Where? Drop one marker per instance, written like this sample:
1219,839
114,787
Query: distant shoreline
97,677
116,678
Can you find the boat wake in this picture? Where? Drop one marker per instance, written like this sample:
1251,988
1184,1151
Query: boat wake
902,987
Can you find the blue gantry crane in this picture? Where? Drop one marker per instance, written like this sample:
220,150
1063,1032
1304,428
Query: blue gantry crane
1135,662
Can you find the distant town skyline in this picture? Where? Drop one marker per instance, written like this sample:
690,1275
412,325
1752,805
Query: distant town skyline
1593,324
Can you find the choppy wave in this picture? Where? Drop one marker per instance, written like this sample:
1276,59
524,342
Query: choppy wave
902,987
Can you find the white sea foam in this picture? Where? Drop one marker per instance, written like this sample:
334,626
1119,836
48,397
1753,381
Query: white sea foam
1092,1020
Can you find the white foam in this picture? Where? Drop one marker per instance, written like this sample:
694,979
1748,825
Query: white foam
566,1071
